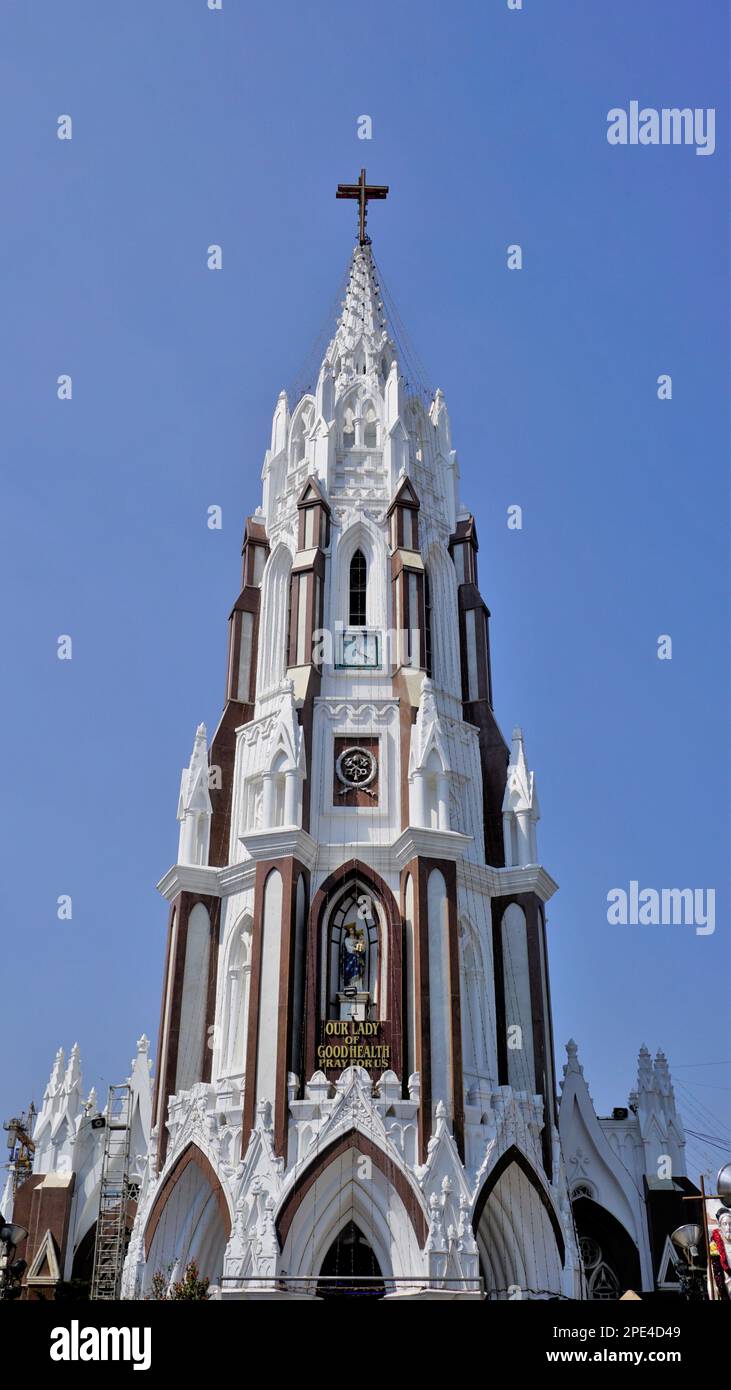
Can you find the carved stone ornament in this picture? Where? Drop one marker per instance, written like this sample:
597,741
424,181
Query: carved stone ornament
356,767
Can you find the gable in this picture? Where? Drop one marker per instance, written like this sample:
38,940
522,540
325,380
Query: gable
44,1267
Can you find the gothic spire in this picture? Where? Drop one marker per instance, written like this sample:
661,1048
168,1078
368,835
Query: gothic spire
362,317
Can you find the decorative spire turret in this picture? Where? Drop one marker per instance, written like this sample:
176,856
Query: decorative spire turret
194,805
520,808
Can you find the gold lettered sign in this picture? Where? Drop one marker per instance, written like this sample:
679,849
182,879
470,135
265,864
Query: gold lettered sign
353,1043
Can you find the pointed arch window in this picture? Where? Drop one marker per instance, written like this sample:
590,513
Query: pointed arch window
357,590
237,998
370,429
348,428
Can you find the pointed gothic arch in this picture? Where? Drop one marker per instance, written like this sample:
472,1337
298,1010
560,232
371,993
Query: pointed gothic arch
388,944
609,1255
515,1155
194,999
350,1261
191,1218
475,996
371,426
235,996
518,1232
444,611
354,944
303,419
362,535
357,589
273,630
330,1191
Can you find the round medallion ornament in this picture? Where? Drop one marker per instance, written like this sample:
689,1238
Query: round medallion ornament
356,767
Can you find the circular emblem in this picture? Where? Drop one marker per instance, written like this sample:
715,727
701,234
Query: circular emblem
356,767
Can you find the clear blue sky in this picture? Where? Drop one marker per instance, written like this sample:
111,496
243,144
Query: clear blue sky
192,127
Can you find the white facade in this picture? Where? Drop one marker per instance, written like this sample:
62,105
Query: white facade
449,1165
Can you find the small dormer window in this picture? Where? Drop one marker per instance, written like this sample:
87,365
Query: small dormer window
358,581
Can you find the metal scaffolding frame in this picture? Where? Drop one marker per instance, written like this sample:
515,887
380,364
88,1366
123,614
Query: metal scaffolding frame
114,1196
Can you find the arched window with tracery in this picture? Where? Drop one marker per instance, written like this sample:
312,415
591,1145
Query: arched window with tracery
603,1284
358,590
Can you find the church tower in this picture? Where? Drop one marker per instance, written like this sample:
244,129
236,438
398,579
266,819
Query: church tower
355,1069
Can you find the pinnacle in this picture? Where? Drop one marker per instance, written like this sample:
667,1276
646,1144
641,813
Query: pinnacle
362,308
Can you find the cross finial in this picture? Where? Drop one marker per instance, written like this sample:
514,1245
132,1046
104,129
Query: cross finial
363,192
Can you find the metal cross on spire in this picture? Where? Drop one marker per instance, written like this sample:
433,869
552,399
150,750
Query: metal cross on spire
363,192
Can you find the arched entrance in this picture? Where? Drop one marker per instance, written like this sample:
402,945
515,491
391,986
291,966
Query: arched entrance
609,1255
350,1268
352,1183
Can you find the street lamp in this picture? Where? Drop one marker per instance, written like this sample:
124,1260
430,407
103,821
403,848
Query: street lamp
723,1184
692,1276
13,1270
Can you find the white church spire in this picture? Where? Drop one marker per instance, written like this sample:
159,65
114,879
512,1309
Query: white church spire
361,346
362,315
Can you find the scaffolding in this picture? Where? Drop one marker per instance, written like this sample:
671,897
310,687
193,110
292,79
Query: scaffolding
114,1196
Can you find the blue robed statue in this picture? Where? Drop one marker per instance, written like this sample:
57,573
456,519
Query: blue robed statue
352,956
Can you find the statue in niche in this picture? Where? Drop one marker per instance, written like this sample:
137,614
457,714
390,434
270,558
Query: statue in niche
353,957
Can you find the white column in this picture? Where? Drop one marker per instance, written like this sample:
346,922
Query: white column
418,799
507,842
443,800
267,800
290,797
186,846
522,819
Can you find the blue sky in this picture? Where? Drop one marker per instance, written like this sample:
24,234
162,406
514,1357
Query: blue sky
192,127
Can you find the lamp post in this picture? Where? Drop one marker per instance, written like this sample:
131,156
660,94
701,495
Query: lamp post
13,1270
692,1276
